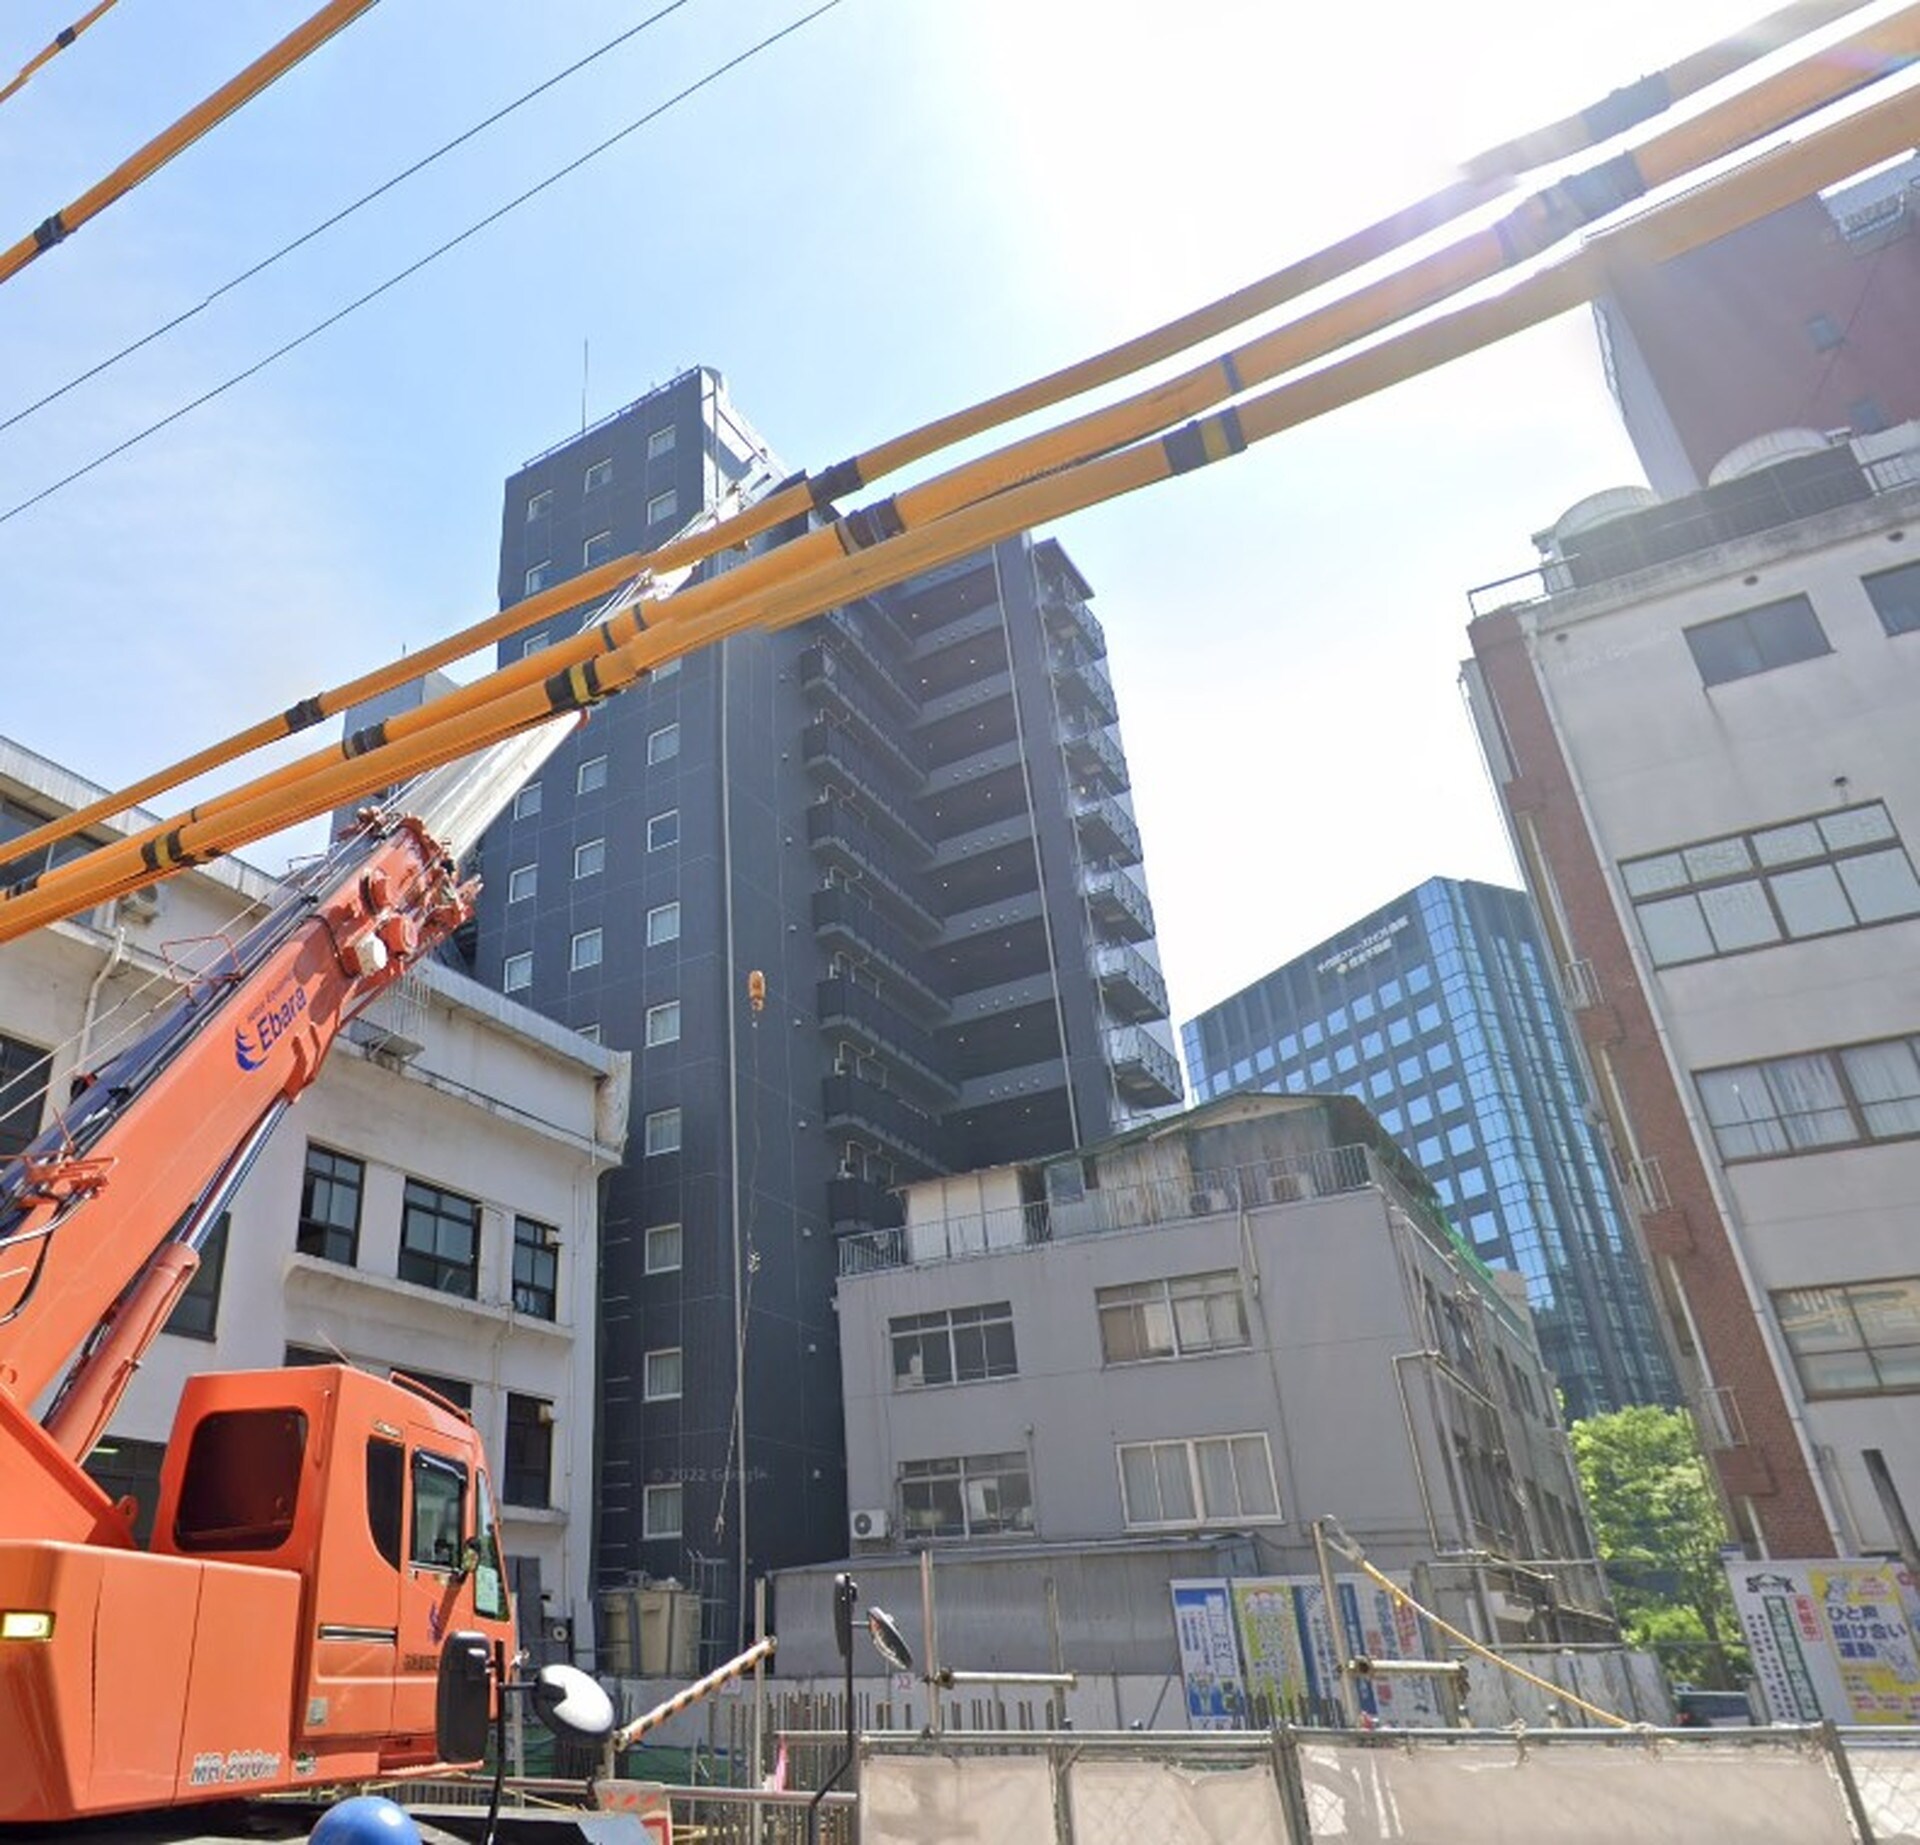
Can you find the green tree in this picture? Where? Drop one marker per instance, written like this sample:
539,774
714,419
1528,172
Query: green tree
1659,1530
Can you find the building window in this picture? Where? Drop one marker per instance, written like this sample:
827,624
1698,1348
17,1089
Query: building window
663,1131
663,506
522,882
599,475
1835,1098
539,576
527,802
516,973
596,550
1211,1479
591,775
536,1268
439,1240
962,1345
1175,1318
665,669
1866,416
663,924
663,830
1895,595
196,1313
590,1032
660,1512
1779,633
456,1390
1857,1338
971,1495
585,951
590,859
539,504
660,443
661,1377
532,643
1823,332
330,1206
23,1089
663,1023
664,744
1834,871
526,1477
663,1249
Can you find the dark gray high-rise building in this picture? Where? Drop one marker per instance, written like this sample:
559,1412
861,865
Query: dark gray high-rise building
910,818
1440,1013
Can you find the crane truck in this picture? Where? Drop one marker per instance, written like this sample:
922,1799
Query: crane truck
319,1533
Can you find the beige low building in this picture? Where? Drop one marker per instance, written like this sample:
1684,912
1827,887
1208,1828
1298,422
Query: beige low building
431,1203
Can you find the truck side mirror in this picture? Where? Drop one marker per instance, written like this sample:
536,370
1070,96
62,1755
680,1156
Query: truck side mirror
463,1701
571,1705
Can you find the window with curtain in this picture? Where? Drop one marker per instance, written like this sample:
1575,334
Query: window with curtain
1817,1099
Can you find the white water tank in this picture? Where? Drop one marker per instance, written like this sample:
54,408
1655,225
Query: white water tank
1767,451
1601,508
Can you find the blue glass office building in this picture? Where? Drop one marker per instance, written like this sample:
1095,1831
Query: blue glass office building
1438,1011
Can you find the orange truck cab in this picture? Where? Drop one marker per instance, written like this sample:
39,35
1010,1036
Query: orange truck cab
318,1533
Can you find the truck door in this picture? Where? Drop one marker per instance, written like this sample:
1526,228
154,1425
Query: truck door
358,1592
453,1574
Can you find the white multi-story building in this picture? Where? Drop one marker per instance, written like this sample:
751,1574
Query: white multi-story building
430,1205
1166,1356
1703,719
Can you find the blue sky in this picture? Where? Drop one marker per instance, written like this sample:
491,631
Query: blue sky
906,206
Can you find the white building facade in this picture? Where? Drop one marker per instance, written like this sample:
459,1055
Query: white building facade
1706,735
430,1205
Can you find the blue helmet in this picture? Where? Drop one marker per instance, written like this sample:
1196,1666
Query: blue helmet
366,1819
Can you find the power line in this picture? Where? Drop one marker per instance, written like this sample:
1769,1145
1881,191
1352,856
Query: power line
346,211
414,268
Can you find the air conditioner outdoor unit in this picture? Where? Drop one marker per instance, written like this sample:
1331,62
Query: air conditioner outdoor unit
1205,1203
870,1524
140,905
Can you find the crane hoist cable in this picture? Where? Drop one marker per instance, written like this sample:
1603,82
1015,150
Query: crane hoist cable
231,95
55,46
794,499
874,557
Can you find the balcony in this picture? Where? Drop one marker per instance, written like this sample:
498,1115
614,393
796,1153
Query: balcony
1146,1073
833,754
869,658
1117,903
839,916
995,836
859,1201
1106,830
1214,1192
1799,487
909,1133
840,689
1131,985
837,834
859,1012
1067,617
1093,756
1085,691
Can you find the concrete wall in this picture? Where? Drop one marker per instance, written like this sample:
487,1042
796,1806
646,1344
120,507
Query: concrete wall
1618,750
1336,1289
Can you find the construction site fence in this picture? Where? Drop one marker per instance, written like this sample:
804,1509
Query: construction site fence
1780,1786
535,1807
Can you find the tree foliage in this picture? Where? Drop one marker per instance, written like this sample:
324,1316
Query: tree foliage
1659,1530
